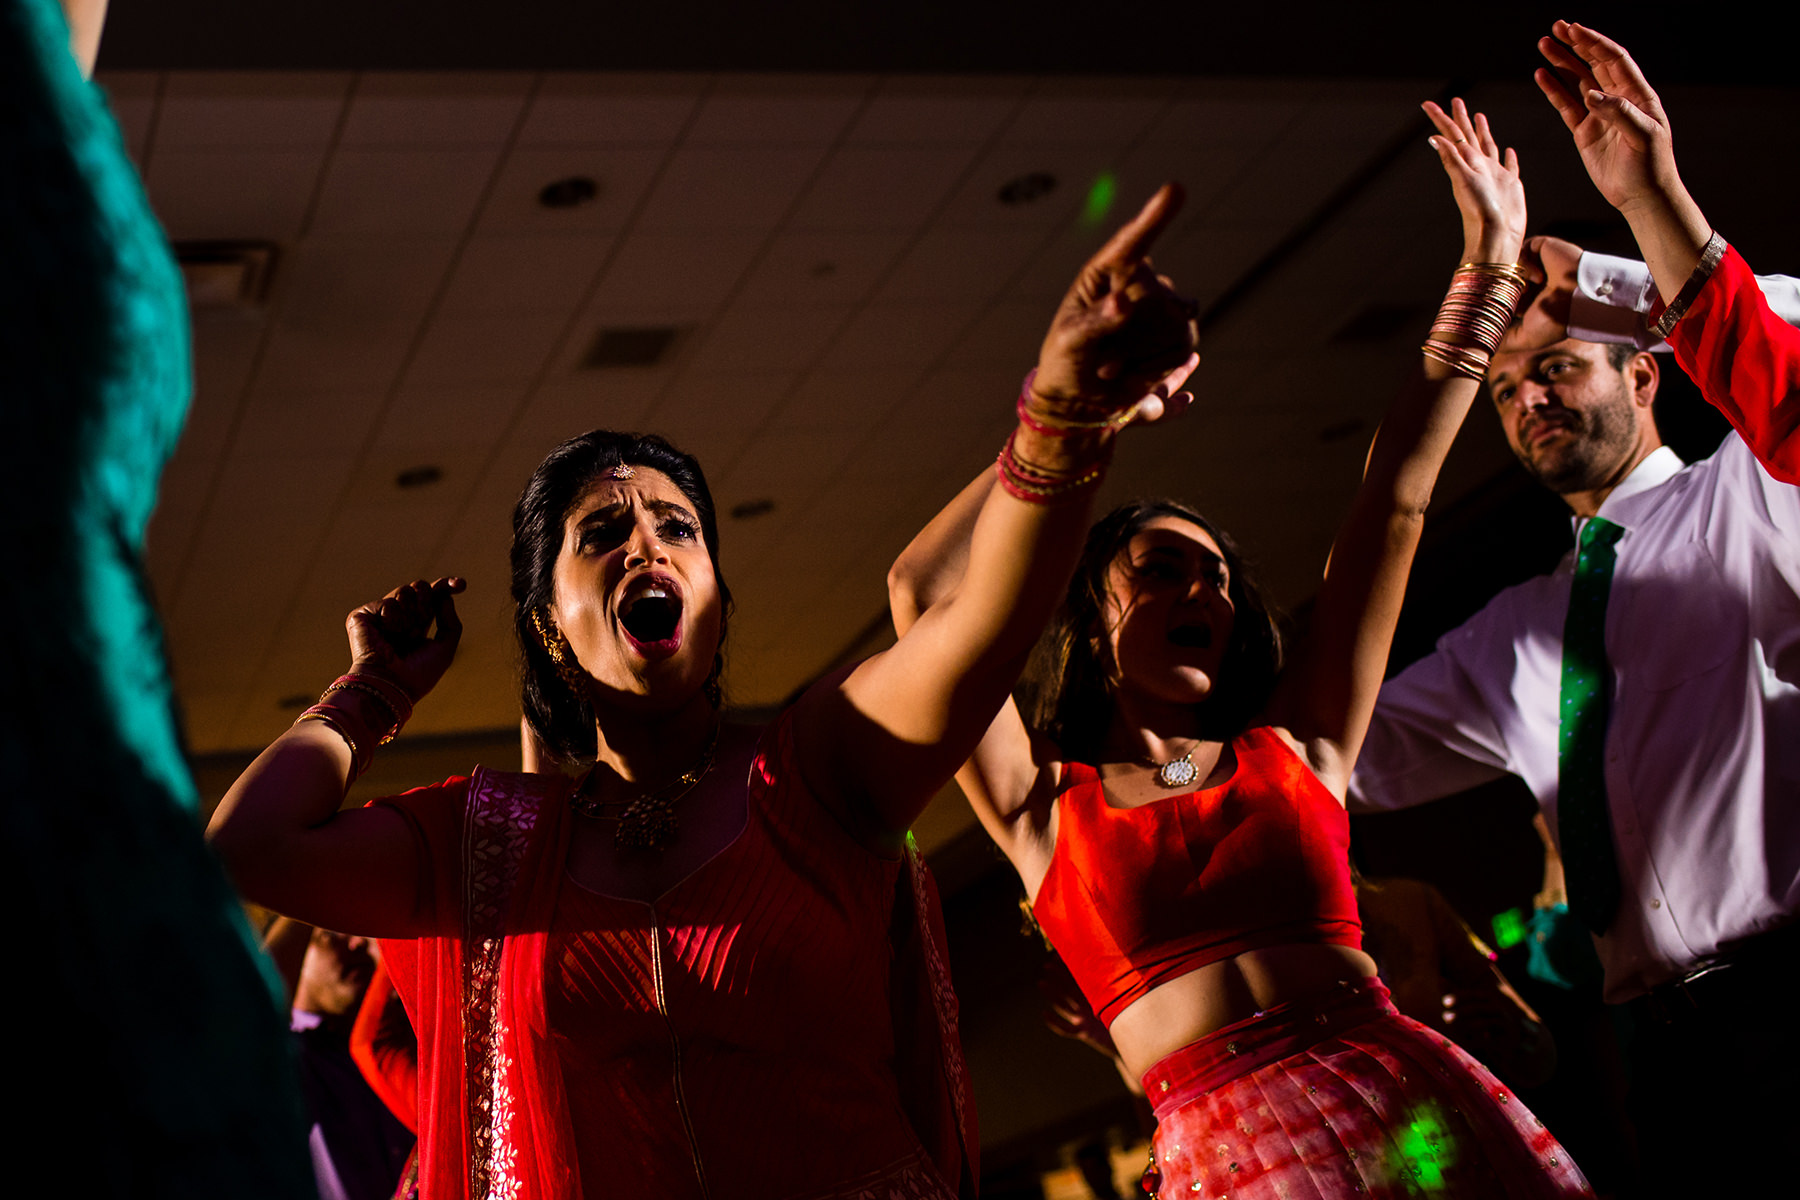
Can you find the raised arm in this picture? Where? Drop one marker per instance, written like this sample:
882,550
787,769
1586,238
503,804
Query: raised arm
1007,770
279,830
86,19
1623,136
1326,698
897,727
1744,358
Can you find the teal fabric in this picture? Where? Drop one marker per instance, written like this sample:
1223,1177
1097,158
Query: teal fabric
147,1049
1560,952
1583,823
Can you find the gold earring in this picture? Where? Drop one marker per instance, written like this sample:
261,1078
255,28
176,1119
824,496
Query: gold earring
562,655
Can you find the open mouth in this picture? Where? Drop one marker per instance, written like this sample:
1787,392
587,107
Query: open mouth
1192,637
651,617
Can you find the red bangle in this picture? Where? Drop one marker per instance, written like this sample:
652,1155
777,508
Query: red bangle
1057,428
1036,485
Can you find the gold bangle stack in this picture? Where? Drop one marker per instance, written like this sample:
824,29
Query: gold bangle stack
1474,316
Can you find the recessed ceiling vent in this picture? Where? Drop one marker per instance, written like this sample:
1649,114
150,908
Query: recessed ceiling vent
646,346
223,276
1033,185
1378,323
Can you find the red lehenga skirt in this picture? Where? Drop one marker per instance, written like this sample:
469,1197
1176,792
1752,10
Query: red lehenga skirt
1342,1097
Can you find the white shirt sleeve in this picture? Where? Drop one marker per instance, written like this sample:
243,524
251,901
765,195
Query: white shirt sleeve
1432,735
1613,294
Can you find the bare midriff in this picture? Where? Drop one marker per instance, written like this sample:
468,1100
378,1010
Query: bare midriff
1205,1000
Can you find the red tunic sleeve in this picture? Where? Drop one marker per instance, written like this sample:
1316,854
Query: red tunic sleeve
1747,363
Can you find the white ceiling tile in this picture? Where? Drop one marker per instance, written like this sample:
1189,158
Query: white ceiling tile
784,466
1006,337
1205,173
386,534
234,194
1207,258
882,187
822,268
518,274
772,110
351,282
687,319
423,108
486,350
661,271
1061,114
964,265
403,191
621,173
1074,168
225,350
454,415
853,400
1286,185
926,109
737,400
132,96
728,187
335,358
310,424
1046,277
574,404
766,338
1236,110
209,110
580,109
885,336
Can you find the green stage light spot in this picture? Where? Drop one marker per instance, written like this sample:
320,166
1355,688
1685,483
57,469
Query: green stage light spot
1100,199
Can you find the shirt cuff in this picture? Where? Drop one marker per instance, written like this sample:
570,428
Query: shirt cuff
1611,296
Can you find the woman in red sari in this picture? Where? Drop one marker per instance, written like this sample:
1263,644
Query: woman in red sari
1177,819
709,966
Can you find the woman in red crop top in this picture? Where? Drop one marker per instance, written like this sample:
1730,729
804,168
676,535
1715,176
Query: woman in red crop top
1176,814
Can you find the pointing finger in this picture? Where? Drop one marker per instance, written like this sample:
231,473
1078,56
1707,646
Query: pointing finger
1133,240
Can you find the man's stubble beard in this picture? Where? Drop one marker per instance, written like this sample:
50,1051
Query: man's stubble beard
1600,441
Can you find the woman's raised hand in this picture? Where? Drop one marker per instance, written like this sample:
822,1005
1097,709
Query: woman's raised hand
1618,122
1122,336
1485,182
393,636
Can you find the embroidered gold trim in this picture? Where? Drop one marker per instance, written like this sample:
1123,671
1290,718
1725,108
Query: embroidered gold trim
496,831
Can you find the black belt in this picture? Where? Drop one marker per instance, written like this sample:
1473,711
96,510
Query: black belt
1745,973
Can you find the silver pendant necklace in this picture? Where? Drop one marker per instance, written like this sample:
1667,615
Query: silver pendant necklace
1177,772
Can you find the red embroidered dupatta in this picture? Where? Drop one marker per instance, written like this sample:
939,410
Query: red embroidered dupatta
493,1120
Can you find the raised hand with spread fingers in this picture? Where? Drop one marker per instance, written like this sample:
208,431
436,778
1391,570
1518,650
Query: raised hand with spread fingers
1623,135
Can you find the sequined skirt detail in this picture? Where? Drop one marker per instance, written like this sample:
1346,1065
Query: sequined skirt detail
1342,1097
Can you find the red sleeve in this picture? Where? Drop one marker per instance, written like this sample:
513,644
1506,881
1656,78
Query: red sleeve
385,1050
1747,363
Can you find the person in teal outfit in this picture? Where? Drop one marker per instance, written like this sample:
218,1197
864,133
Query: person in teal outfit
147,1053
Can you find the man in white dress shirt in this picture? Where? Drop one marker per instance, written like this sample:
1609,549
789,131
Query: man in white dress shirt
1697,765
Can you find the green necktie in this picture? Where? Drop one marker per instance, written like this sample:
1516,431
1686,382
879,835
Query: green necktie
1582,819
